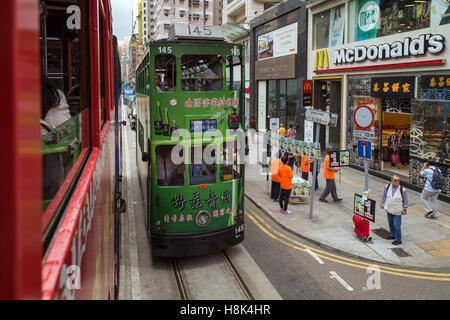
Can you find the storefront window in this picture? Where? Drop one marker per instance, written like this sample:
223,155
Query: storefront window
377,18
329,27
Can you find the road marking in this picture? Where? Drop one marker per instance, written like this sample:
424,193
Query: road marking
134,258
334,275
314,256
342,260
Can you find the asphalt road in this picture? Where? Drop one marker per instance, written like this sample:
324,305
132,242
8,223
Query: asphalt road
302,271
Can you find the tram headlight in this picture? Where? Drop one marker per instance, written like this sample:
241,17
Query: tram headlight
203,218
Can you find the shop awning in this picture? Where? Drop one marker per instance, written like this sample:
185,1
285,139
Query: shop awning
233,31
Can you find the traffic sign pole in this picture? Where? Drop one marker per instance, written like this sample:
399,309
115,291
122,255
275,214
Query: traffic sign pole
313,188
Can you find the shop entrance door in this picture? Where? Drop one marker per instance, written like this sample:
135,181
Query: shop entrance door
328,97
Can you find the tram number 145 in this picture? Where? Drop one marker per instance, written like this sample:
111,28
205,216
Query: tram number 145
204,30
239,229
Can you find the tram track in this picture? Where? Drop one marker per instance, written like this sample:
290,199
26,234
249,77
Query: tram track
186,285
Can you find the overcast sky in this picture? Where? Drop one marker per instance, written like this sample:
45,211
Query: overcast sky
121,11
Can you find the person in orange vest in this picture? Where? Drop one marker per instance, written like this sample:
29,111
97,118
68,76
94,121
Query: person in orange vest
304,166
328,174
286,174
275,165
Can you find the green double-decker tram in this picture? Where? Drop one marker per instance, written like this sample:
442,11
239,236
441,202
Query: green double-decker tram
190,150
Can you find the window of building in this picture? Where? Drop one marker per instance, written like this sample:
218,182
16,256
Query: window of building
166,12
201,72
182,13
372,19
229,162
165,73
65,99
234,73
202,165
329,27
170,165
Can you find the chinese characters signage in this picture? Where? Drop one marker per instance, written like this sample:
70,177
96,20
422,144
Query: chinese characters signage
211,102
395,87
203,125
436,82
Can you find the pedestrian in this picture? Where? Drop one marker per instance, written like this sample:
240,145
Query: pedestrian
395,202
275,165
404,148
393,149
286,174
328,174
304,166
291,132
252,128
429,194
282,131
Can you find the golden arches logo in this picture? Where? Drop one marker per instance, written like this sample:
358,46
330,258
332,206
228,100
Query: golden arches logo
321,59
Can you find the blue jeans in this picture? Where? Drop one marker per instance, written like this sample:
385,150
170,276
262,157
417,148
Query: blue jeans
395,226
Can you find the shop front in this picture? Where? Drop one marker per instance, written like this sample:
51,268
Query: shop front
393,85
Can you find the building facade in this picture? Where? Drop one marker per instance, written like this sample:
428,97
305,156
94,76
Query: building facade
384,66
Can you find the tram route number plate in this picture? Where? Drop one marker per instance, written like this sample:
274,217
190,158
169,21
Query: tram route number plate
182,30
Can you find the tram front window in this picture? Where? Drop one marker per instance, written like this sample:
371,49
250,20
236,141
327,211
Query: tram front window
201,72
165,73
170,165
202,167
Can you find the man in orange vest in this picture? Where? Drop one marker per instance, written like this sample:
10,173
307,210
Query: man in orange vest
304,166
286,175
328,174
276,180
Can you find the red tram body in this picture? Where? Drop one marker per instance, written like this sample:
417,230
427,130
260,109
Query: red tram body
79,260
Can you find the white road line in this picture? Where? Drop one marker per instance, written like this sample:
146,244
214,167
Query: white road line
134,259
314,256
338,278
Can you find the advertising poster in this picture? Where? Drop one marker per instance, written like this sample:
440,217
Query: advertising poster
439,13
364,207
369,17
278,43
340,158
336,26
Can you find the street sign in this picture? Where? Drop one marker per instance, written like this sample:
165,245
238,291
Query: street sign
321,117
363,118
364,134
364,149
274,125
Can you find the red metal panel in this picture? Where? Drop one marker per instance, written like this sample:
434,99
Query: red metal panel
20,164
95,71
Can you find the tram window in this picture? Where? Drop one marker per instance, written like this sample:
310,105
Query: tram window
64,93
165,73
229,167
201,72
170,165
202,166
234,73
102,72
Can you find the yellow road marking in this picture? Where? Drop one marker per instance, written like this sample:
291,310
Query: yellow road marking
342,260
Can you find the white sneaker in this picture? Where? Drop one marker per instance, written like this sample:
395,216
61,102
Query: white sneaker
288,212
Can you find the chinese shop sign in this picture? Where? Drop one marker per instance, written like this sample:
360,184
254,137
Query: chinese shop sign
436,82
395,87
211,102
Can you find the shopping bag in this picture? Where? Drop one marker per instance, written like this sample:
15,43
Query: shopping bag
395,157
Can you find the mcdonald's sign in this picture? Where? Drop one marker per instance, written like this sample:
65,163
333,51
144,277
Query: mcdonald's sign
321,59
307,86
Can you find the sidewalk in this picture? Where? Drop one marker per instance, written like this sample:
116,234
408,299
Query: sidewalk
426,243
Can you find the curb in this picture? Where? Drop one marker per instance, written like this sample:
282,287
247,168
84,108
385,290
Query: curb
315,242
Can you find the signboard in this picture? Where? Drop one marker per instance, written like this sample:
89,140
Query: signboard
364,207
340,158
363,134
278,43
274,125
363,117
262,105
188,31
435,82
364,149
393,87
307,93
321,117
207,125
368,19
279,68
309,131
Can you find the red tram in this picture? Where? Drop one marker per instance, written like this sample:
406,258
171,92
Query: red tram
58,164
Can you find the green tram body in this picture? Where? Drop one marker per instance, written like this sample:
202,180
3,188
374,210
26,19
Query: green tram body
172,210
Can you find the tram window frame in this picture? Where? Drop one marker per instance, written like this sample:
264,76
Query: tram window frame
102,73
192,68
78,99
227,168
233,63
180,168
160,72
210,165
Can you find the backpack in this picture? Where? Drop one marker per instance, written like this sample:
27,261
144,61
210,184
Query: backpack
438,180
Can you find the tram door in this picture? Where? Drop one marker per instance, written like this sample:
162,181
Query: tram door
328,97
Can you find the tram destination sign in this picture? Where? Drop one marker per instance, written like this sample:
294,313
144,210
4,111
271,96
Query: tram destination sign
321,117
194,31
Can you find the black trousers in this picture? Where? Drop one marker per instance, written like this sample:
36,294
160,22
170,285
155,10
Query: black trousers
275,190
284,198
330,188
305,175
